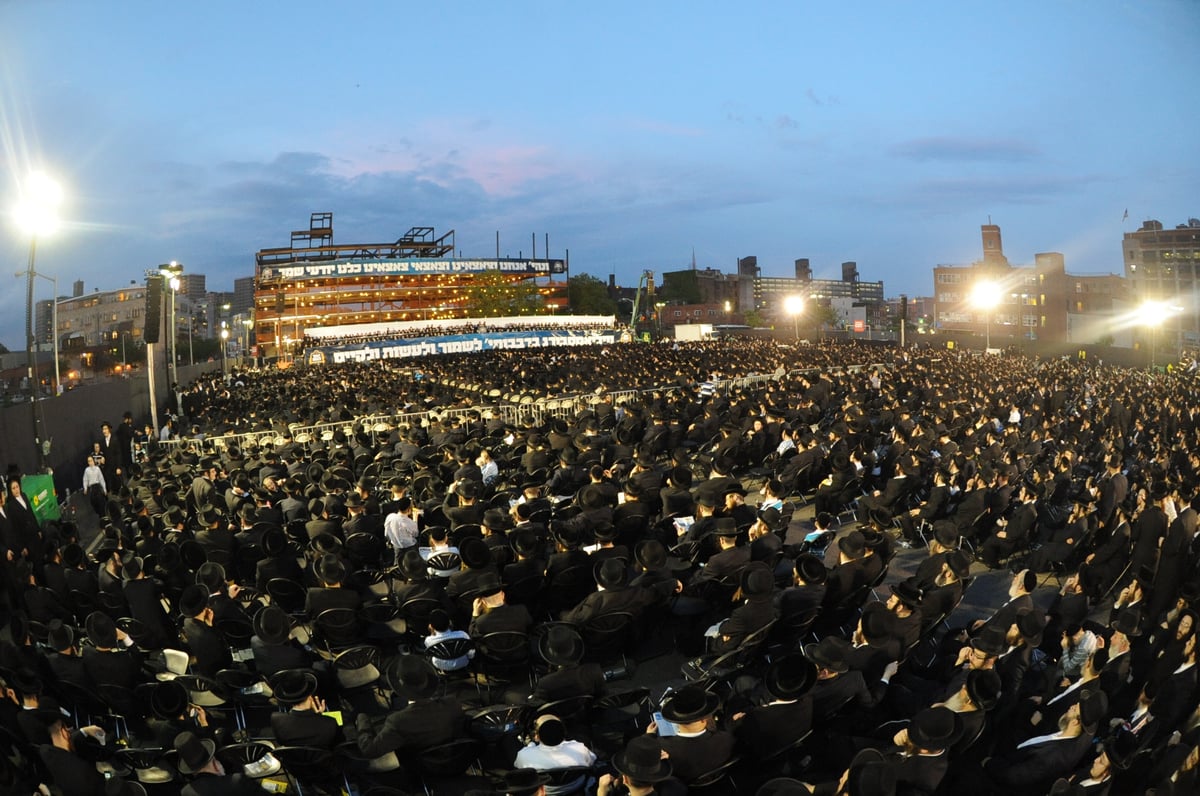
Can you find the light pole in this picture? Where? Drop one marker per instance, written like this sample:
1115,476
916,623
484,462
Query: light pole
37,214
224,346
171,271
985,296
1152,314
247,323
794,305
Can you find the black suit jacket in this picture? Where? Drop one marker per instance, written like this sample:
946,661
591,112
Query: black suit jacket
1032,770
420,725
691,757
630,599
767,729
305,728
586,679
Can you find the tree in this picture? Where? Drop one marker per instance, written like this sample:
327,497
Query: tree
754,318
495,295
587,295
679,286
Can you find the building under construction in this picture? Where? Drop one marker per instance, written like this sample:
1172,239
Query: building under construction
315,282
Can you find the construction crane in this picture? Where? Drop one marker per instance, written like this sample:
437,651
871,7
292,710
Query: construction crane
645,283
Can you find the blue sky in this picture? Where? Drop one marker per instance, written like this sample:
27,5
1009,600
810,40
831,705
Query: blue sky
631,133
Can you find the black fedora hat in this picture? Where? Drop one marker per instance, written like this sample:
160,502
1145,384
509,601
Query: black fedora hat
690,704
474,552
908,592
650,554
933,728
1127,621
853,544
828,653
272,625
757,580
611,573
527,543
566,535
495,520
983,687
946,533
330,569
194,752
59,636
168,699
726,527
960,564
489,584
193,600
293,686
991,640
1031,624
790,677
642,761
412,677
811,569
561,646
101,630
771,518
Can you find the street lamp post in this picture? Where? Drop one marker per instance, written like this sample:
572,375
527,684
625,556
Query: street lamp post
794,305
985,296
37,213
224,347
247,324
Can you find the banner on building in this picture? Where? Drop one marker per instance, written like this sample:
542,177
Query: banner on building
405,348
410,267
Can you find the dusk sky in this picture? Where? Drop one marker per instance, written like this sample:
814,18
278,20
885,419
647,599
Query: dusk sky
631,133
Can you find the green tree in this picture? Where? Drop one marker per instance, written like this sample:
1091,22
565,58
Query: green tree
754,318
496,295
587,295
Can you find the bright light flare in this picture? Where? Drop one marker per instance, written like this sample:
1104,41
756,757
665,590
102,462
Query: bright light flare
985,295
793,305
37,209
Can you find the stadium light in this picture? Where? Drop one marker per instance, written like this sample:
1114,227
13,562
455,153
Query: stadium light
794,306
985,296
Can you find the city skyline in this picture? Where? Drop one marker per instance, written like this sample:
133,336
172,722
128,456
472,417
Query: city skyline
630,135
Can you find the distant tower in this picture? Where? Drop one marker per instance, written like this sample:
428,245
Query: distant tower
993,248
803,270
77,288
850,271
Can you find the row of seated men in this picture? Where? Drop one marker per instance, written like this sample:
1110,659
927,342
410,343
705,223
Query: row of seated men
1150,685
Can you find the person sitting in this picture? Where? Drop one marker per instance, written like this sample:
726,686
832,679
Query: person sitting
764,730
423,721
692,747
440,630
305,722
550,749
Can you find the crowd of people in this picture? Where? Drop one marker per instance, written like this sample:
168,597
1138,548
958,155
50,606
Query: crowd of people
404,331
472,604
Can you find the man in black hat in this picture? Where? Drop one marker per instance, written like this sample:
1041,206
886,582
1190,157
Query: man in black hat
1034,764
72,773
331,593
197,758
923,755
490,613
731,558
693,748
112,657
207,646
757,610
273,647
643,770
277,561
613,594
65,660
764,730
837,686
462,506
1013,530
304,723
421,722
849,573
905,603
807,591
944,594
144,597
563,649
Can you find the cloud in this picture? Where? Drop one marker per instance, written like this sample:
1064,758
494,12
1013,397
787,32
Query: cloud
785,122
961,149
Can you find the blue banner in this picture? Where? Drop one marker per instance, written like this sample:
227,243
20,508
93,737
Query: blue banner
405,348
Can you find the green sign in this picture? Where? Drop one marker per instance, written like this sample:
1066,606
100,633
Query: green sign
40,489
